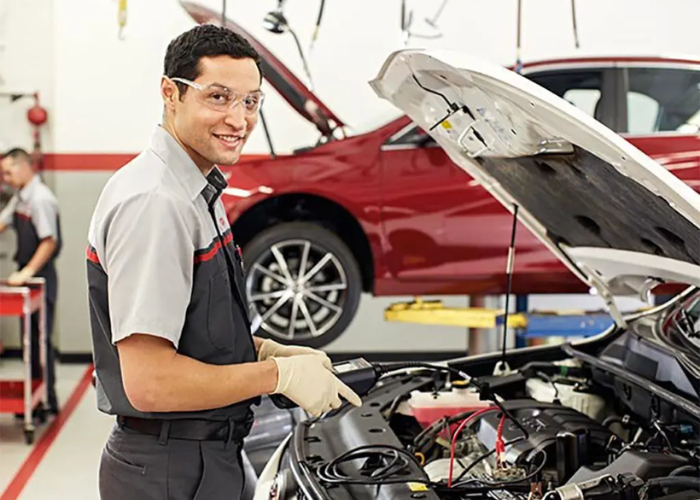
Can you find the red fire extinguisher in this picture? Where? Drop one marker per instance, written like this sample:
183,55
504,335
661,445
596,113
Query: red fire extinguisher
37,116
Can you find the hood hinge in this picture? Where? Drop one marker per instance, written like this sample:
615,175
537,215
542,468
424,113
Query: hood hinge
608,298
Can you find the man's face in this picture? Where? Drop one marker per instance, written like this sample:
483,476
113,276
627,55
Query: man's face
214,136
15,172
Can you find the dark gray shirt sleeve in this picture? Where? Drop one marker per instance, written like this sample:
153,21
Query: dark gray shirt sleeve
148,258
44,212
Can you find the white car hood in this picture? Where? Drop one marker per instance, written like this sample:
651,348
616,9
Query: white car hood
614,216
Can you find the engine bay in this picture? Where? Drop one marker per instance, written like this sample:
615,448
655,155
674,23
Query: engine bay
552,429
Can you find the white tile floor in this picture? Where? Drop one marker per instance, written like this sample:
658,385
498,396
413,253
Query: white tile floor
68,469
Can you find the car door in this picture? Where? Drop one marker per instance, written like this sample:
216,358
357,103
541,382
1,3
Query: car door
659,112
417,191
440,225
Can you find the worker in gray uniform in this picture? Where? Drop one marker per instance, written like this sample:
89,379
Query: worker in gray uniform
175,360
33,213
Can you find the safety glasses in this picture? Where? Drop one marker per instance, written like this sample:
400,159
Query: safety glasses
223,99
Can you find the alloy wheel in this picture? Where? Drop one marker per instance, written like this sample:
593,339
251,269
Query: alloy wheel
298,288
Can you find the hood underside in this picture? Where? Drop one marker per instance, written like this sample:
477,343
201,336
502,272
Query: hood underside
612,214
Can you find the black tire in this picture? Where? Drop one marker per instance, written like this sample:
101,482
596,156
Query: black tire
288,237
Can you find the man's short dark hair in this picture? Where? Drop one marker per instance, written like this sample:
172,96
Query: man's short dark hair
18,154
206,40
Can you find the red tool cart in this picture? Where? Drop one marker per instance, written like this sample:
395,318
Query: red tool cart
26,396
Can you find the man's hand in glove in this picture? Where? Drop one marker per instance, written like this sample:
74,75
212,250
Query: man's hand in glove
269,348
307,381
20,277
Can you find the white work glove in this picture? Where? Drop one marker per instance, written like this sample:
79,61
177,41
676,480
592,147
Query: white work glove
270,348
20,277
308,382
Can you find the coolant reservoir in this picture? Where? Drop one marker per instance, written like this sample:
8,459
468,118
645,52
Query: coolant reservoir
588,404
428,407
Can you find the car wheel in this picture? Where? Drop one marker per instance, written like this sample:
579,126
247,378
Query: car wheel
304,283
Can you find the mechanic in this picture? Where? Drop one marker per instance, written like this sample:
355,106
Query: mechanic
175,360
33,212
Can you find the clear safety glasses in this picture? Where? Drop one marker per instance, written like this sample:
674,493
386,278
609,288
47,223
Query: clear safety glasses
219,98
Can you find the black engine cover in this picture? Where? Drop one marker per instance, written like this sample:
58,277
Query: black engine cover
570,438
646,465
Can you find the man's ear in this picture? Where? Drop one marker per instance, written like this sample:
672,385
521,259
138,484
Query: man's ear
169,93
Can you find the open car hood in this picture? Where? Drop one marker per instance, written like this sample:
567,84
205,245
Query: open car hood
291,88
620,221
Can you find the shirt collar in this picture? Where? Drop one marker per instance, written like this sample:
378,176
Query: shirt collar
176,158
216,183
26,192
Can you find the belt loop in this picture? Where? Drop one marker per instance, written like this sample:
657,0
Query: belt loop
229,437
164,432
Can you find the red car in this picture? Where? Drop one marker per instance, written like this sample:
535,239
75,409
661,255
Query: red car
388,213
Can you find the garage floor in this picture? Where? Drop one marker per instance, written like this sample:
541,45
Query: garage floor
64,459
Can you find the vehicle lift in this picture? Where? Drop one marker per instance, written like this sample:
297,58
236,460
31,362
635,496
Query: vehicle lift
527,325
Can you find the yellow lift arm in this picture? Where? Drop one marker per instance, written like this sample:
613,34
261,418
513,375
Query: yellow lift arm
433,312
531,324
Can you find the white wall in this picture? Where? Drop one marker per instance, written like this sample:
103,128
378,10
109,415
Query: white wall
102,92
107,89
26,66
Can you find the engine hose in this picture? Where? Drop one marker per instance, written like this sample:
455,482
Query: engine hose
680,471
612,420
675,481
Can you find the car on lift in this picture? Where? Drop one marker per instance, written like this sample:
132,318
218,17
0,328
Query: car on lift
387,212
616,416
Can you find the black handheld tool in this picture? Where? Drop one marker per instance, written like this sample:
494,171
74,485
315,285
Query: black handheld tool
358,374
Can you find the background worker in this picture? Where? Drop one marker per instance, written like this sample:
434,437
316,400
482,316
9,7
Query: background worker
175,360
33,213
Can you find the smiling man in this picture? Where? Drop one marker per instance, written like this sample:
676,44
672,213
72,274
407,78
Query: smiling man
175,360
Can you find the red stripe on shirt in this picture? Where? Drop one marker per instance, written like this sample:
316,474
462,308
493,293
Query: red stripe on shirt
92,255
214,249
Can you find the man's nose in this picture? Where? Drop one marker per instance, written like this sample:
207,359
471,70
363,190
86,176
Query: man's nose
235,116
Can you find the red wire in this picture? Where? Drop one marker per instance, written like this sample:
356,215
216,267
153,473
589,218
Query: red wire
462,425
500,447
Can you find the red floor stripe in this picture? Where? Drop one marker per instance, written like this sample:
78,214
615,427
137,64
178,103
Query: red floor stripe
30,465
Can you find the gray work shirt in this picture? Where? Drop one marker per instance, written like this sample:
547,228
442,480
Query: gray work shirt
33,213
162,261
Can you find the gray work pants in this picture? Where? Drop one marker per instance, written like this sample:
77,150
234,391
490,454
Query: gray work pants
139,466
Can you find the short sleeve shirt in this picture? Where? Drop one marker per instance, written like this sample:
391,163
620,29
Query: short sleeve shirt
34,214
162,262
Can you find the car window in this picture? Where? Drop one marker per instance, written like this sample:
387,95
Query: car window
642,112
584,99
663,100
583,89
